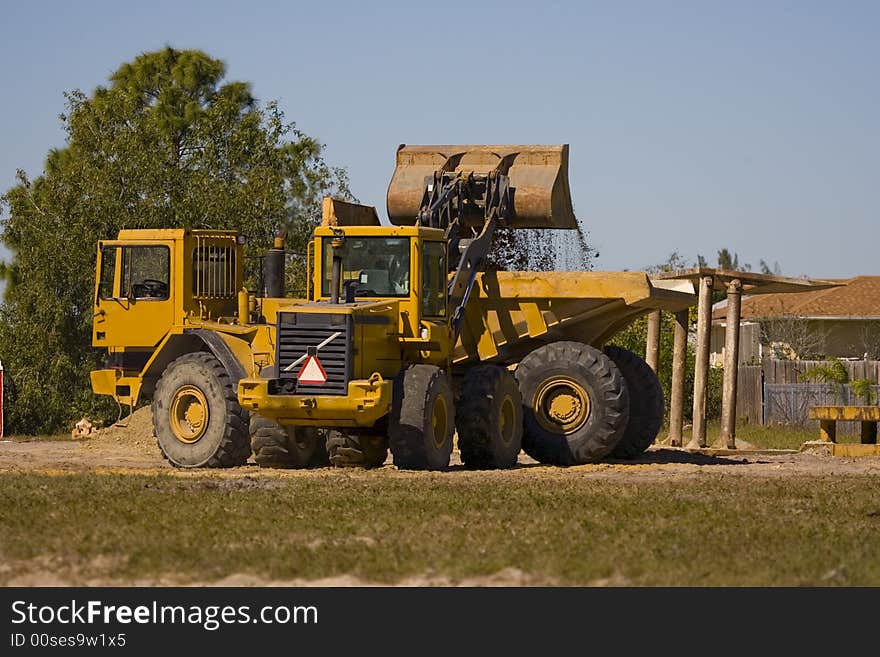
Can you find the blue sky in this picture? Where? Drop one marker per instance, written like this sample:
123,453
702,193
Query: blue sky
693,125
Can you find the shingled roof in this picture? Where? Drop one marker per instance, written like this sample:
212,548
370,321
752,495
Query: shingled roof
857,297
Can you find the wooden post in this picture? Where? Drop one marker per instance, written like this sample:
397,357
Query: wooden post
701,368
731,364
652,347
676,402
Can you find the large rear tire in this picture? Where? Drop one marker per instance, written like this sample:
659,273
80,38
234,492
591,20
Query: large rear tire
422,420
277,446
646,407
575,403
196,416
350,449
489,418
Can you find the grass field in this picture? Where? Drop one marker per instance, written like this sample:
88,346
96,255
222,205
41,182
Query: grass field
772,436
385,526
769,437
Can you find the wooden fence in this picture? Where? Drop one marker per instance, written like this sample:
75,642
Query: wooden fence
787,403
791,371
775,392
750,394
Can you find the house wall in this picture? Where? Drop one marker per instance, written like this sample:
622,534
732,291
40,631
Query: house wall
847,338
841,339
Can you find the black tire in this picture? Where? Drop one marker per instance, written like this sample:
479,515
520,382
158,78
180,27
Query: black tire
199,381
575,403
489,418
422,420
351,449
277,446
646,407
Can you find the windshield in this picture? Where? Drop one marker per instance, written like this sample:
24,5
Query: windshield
380,265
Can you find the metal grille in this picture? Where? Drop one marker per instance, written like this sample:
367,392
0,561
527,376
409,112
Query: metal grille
214,268
297,332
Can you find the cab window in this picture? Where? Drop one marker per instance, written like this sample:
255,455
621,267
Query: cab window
434,279
108,272
146,272
380,265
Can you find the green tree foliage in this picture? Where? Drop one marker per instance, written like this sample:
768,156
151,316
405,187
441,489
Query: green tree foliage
168,143
836,376
730,261
864,390
833,372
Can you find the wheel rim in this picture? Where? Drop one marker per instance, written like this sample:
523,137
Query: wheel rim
561,404
507,420
189,414
440,421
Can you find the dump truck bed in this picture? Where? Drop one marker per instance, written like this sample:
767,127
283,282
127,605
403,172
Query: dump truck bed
511,313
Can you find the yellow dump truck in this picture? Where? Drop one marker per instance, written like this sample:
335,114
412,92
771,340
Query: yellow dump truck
404,339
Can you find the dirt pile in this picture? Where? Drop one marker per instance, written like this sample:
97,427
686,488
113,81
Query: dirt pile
132,434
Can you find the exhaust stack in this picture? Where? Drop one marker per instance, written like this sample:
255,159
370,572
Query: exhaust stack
273,268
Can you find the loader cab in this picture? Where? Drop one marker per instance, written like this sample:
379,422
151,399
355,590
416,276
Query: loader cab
392,263
133,300
149,280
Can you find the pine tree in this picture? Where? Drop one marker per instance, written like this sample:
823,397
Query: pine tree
168,143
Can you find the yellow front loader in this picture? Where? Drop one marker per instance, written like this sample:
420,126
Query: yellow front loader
403,340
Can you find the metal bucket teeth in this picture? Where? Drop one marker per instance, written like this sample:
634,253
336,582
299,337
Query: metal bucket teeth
538,179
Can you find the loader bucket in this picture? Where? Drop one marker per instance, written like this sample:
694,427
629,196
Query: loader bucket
538,180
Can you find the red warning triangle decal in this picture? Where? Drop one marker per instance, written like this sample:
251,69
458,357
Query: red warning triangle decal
312,372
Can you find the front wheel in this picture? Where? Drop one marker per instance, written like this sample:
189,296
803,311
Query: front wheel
196,416
422,419
575,403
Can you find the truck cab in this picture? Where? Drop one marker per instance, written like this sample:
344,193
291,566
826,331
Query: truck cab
378,301
151,284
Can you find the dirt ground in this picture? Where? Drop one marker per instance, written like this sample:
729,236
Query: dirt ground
133,448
